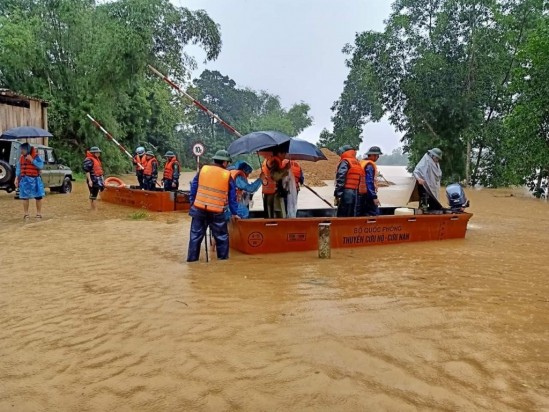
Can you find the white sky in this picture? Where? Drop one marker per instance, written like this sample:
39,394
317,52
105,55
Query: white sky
292,48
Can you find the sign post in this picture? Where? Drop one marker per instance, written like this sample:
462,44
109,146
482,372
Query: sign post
198,150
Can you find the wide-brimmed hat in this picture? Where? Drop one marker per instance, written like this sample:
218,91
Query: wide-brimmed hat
344,148
222,155
435,151
140,150
169,153
374,150
95,149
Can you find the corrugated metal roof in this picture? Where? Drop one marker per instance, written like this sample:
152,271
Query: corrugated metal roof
11,93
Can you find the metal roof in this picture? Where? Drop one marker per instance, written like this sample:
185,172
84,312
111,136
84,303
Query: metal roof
11,93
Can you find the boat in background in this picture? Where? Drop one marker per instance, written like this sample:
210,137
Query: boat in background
258,235
153,200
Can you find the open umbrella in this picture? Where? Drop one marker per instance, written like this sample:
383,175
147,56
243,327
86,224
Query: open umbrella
257,141
297,150
25,132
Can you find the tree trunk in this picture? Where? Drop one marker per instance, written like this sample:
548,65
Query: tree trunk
468,163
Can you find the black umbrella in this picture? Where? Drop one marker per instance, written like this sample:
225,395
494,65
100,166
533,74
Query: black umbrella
297,150
256,141
25,132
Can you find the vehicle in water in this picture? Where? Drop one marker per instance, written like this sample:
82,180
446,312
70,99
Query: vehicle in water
55,176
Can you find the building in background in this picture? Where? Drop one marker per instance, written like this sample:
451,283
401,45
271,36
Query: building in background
18,110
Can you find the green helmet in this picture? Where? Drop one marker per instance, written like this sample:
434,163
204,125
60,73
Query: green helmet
343,149
222,155
374,150
169,153
435,152
149,153
95,149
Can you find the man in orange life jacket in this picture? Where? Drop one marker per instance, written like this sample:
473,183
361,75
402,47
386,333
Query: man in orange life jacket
212,189
171,172
274,169
370,202
94,174
139,160
150,174
350,183
28,180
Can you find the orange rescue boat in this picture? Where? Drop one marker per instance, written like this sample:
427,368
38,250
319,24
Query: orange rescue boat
257,235
154,200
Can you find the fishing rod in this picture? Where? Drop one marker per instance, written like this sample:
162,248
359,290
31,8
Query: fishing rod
216,117
196,102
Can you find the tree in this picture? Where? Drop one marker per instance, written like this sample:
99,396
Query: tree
441,70
87,57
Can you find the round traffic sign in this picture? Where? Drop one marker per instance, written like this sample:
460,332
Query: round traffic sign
198,149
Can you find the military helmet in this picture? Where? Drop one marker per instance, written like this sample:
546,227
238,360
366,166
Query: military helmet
140,150
95,149
435,152
374,150
343,149
149,153
169,153
222,155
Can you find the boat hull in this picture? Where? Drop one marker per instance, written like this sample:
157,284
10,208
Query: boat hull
255,236
156,201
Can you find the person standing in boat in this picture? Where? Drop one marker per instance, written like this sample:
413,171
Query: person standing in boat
298,178
211,189
350,183
273,192
28,180
139,160
428,175
150,174
370,202
240,172
94,174
172,170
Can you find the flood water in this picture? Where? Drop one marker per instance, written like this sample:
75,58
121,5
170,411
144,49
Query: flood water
98,311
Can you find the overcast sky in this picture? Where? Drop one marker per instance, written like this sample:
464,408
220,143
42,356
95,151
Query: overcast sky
292,48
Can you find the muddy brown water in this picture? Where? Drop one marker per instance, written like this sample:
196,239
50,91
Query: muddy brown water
98,311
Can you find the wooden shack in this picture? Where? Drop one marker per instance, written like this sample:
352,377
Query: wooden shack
18,110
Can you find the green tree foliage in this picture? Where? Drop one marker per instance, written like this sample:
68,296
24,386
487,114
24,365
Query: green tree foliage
244,109
441,70
84,57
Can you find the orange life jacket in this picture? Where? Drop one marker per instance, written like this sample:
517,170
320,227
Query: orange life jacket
149,166
364,163
269,184
213,189
27,168
139,160
234,174
97,168
356,178
168,169
296,170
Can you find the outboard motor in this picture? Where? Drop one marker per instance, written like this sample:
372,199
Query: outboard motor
456,198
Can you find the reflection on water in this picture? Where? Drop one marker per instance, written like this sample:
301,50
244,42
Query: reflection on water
103,313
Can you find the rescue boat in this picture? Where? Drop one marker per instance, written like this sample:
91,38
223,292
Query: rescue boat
258,235
153,200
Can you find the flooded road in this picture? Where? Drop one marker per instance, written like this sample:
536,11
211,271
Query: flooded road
100,312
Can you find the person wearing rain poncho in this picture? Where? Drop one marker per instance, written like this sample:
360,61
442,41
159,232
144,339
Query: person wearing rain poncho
240,171
428,175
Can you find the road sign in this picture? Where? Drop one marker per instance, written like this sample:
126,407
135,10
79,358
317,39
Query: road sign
198,149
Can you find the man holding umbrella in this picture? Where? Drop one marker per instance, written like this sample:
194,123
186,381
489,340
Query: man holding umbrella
211,189
28,179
